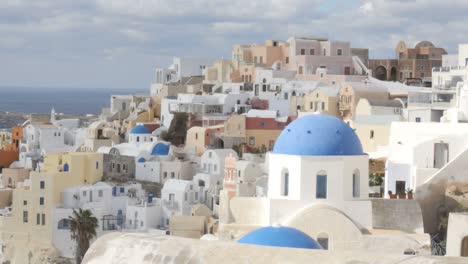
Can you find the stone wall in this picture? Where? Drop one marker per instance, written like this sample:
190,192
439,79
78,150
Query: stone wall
404,215
147,248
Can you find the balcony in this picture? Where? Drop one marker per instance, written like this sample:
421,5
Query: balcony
171,204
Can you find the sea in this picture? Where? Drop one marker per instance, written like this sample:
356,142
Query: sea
80,101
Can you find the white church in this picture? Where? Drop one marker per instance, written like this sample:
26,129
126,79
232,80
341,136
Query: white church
318,183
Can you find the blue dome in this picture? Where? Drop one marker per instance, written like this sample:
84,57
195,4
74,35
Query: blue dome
279,237
141,160
318,135
139,129
160,150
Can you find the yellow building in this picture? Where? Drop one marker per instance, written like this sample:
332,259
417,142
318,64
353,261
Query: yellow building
220,72
29,225
323,100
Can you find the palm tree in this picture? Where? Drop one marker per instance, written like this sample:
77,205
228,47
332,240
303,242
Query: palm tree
83,229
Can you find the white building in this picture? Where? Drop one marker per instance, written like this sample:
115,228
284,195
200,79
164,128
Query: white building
212,161
182,67
215,106
417,151
177,197
107,203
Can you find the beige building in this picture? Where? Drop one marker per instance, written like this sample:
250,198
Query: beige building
373,120
220,72
199,139
11,176
351,92
323,100
29,225
188,226
411,64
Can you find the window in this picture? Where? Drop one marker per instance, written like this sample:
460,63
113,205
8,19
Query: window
41,200
301,70
215,167
38,219
285,182
324,52
84,193
196,135
100,193
42,184
141,223
302,51
322,239
321,185
172,175
64,224
356,184
418,120
165,173
261,60
372,134
262,124
421,74
251,141
339,52
137,139
25,216
210,154
97,165
323,105
287,60
312,51
311,105
25,202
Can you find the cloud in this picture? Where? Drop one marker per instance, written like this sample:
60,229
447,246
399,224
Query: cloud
102,37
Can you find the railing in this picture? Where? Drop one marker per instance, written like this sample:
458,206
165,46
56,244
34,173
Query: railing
171,204
447,69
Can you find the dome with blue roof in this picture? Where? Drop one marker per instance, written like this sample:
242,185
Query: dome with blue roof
139,129
160,150
318,135
279,237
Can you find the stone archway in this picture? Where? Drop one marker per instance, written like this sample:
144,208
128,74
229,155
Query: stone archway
393,74
219,143
380,73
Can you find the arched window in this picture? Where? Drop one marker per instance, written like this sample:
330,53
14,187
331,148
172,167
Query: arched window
64,224
321,185
285,182
356,184
66,167
322,239
137,139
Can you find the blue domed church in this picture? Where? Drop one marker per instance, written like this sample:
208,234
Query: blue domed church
317,183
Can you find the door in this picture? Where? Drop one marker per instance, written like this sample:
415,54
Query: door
441,154
400,187
347,70
464,247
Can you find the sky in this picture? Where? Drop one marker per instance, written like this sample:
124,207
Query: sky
119,43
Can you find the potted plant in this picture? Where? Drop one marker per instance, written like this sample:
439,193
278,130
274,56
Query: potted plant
392,196
402,195
409,193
